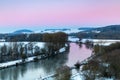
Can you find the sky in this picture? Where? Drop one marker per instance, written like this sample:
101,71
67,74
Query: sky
39,14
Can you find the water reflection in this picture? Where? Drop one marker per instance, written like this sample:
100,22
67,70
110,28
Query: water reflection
12,73
33,70
77,53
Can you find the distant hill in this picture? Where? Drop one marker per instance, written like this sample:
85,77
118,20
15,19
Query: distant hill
111,28
65,30
23,31
107,32
19,32
86,28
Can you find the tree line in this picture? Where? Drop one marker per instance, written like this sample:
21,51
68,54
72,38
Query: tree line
105,64
24,37
46,37
17,50
55,41
21,50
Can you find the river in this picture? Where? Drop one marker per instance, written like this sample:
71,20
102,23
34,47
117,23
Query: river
33,70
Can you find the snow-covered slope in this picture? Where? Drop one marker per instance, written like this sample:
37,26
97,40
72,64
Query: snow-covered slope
68,31
23,31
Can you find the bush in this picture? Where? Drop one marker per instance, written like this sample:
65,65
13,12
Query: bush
77,65
23,56
63,73
36,59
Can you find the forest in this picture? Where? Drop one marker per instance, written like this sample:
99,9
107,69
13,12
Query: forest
105,64
21,50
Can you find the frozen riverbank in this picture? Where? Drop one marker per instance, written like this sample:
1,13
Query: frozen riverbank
29,59
15,62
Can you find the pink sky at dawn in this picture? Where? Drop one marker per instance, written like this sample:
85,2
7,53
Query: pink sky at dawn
59,12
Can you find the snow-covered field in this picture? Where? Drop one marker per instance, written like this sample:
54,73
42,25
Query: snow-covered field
39,44
62,50
73,39
68,31
105,42
96,41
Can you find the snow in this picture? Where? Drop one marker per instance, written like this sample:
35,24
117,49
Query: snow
62,50
95,31
2,40
2,43
73,39
104,42
77,76
72,31
11,63
68,31
40,44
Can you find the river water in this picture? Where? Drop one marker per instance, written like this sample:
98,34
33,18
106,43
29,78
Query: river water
33,70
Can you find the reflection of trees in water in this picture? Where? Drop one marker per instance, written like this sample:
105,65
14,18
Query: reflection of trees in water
48,65
12,73
52,63
23,69
89,45
79,44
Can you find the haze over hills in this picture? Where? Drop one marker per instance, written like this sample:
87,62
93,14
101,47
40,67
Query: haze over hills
52,30
23,31
111,28
106,29
108,32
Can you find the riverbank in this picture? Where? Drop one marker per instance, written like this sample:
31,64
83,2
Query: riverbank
15,62
105,42
27,60
46,66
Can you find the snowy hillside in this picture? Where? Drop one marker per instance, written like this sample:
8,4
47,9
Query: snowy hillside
68,31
